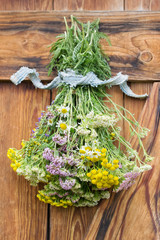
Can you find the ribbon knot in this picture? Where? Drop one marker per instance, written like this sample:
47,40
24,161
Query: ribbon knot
69,77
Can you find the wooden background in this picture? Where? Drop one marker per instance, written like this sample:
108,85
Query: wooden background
24,37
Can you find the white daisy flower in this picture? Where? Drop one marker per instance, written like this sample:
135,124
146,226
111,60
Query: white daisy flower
63,126
96,153
50,121
85,150
64,111
95,142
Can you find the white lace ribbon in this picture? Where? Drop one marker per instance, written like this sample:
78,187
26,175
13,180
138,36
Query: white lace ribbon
71,78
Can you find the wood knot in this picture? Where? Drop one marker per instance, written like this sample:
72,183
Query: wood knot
146,56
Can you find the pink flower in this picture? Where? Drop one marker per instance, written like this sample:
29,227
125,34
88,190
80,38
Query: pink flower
129,181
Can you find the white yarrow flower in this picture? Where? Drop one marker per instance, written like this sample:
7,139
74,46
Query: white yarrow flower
93,134
82,131
90,115
145,168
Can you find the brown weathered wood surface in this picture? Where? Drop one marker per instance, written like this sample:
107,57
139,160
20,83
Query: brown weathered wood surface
24,37
142,5
136,105
109,5
10,5
134,214
22,215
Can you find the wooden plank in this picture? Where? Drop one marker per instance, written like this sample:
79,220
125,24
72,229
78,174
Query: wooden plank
25,5
75,221
133,214
135,106
22,216
110,5
24,38
142,5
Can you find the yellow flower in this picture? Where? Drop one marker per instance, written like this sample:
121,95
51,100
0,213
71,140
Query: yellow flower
110,176
63,126
89,174
105,160
99,185
94,181
18,165
94,171
22,144
116,166
112,168
105,173
103,154
82,151
108,165
116,161
113,134
88,148
103,150
115,178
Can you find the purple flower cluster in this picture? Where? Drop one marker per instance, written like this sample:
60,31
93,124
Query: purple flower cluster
57,164
70,160
47,154
129,180
47,135
67,184
56,167
59,139
49,115
39,119
63,148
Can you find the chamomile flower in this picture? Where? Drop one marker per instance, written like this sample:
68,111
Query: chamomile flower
63,126
50,121
64,111
95,142
96,153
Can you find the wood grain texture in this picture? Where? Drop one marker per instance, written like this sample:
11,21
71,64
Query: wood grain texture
134,214
22,216
142,5
110,5
25,5
135,106
76,221
24,38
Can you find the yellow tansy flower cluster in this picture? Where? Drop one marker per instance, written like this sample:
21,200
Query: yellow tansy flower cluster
11,154
52,200
102,178
110,166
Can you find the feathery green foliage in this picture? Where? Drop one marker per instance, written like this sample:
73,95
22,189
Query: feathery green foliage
79,49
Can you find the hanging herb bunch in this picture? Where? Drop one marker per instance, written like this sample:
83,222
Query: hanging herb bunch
72,149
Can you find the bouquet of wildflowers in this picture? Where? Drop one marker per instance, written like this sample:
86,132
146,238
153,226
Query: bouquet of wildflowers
72,149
